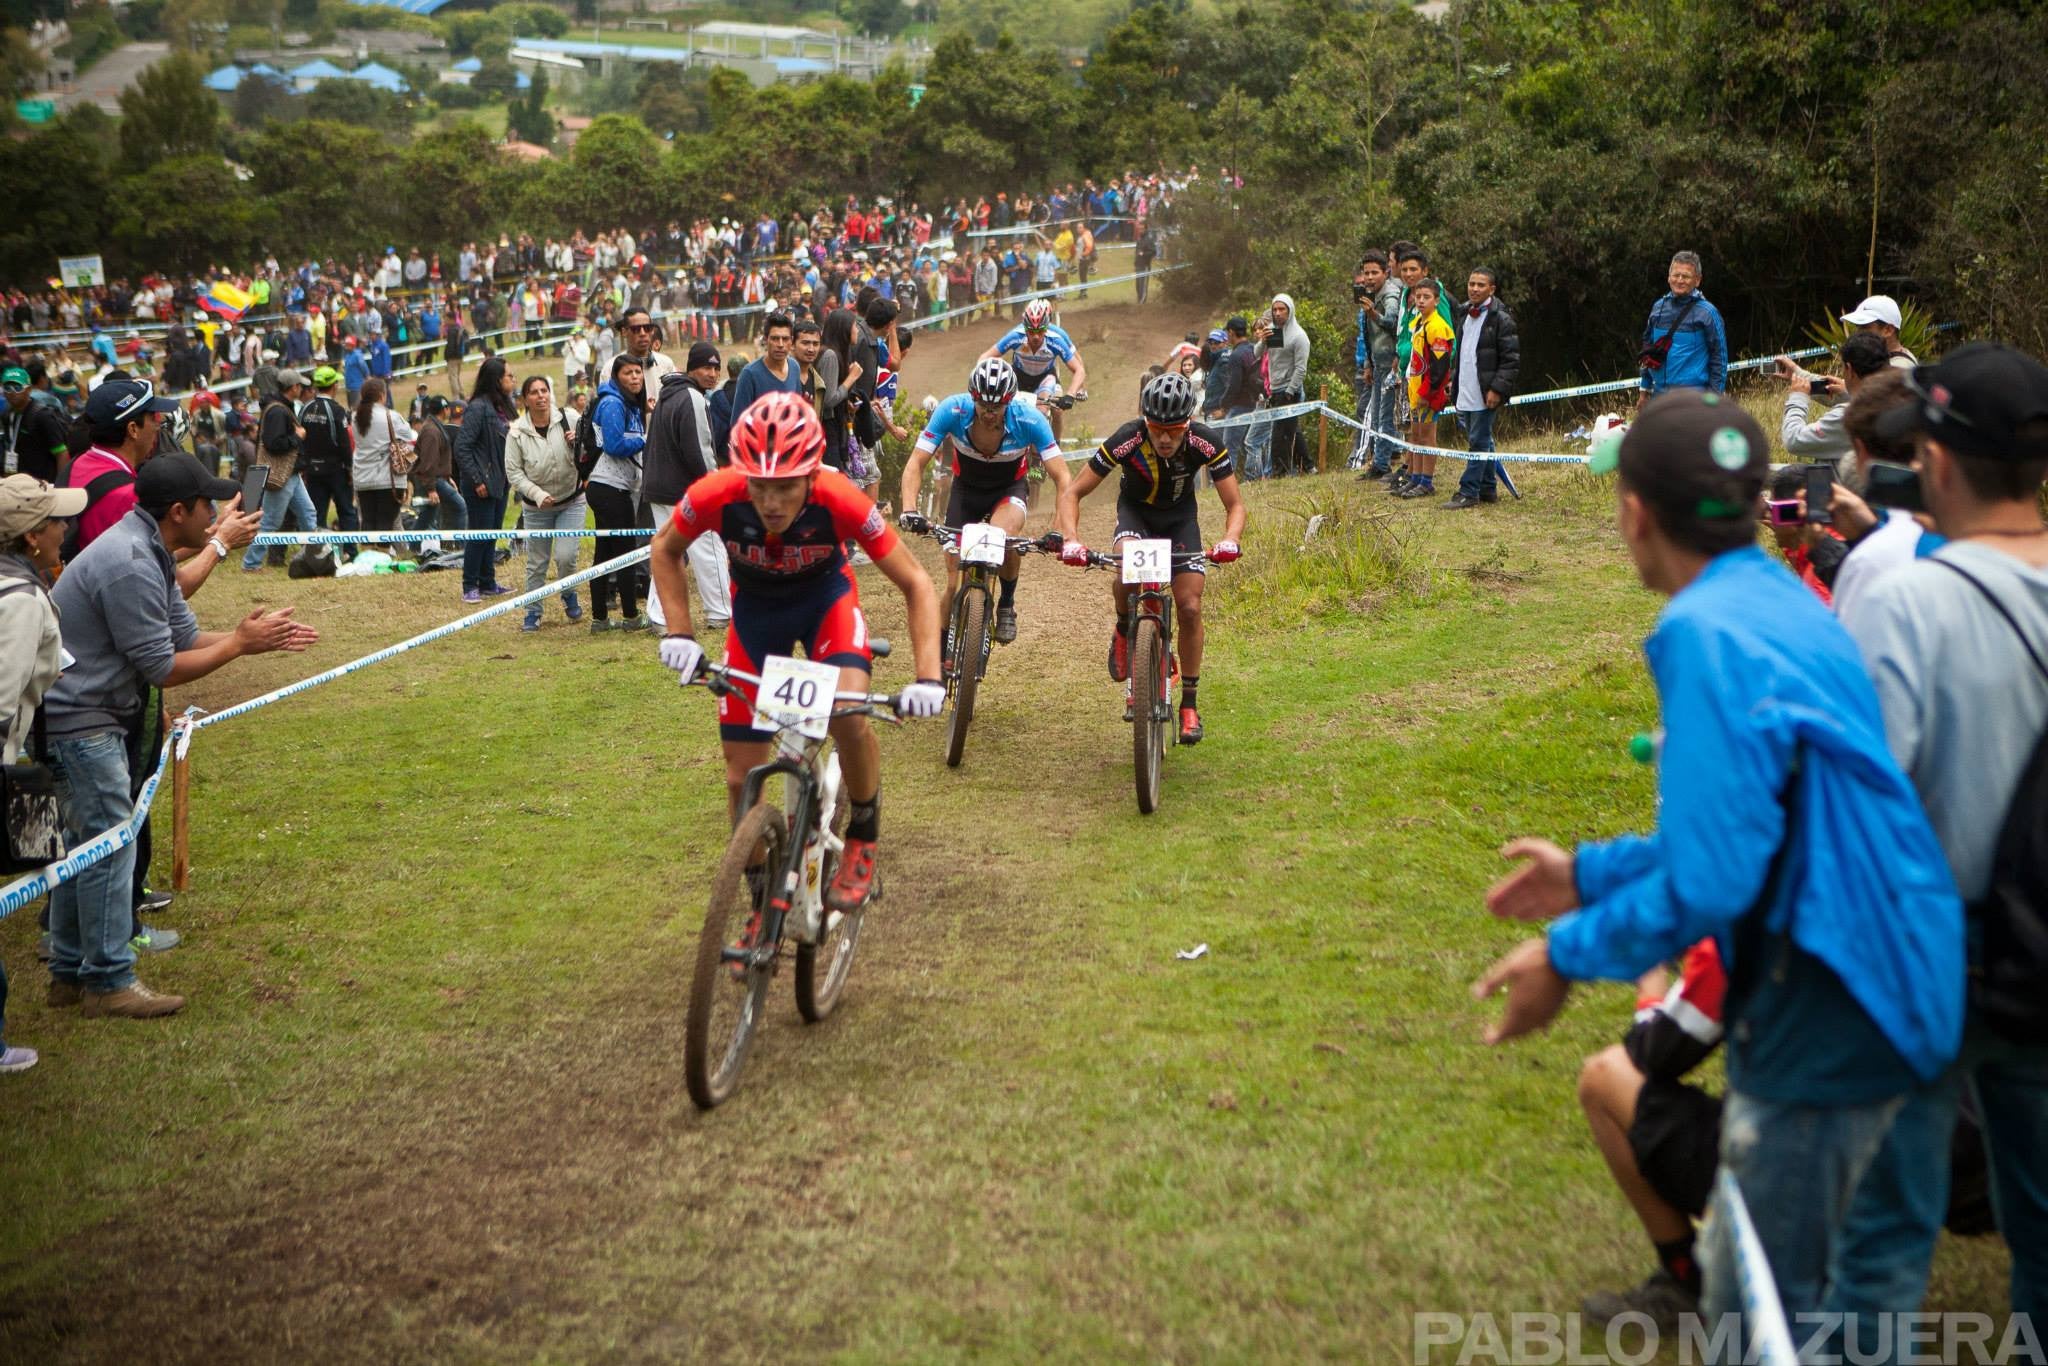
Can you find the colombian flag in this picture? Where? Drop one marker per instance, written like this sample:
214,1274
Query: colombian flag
226,300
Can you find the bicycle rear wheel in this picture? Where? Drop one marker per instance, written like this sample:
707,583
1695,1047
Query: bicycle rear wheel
727,999
969,645
822,968
1148,729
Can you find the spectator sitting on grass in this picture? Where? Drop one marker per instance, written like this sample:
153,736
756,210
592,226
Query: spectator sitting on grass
1863,355
1830,898
1659,1132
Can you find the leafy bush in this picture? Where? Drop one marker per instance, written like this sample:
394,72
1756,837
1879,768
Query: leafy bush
1916,331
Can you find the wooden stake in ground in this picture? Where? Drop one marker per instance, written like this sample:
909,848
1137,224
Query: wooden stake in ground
181,812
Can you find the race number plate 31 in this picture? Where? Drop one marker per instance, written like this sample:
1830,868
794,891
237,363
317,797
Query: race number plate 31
982,543
1148,561
795,692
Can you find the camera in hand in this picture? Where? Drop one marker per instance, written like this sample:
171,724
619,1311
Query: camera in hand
1820,495
1895,486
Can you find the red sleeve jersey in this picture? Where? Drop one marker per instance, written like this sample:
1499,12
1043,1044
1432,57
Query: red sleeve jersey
806,552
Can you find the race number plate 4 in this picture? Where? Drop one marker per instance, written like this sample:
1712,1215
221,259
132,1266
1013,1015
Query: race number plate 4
982,543
795,692
1148,561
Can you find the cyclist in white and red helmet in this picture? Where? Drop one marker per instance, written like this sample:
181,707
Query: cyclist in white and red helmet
1035,349
784,521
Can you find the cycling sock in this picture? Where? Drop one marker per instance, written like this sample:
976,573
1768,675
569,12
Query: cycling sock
1677,1258
866,820
1006,594
1187,689
1123,624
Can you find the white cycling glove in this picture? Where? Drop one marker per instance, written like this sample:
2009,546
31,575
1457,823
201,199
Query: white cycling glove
921,699
682,654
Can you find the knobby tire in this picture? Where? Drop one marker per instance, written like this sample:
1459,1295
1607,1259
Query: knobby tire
971,616
1148,663
715,1048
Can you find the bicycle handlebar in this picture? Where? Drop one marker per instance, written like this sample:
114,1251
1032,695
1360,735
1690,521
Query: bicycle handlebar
949,536
1099,560
719,678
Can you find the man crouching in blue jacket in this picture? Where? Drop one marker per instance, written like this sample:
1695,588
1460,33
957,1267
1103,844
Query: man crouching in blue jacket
1786,831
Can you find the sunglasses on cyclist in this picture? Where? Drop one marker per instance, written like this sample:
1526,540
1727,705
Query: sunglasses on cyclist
1166,428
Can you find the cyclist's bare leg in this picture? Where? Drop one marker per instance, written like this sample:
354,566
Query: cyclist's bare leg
1187,619
741,756
952,589
1010,518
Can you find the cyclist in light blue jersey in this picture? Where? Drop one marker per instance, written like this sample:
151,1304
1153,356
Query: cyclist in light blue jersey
1035,349
987,438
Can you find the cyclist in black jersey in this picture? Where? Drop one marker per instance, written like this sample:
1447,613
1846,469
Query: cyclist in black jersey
1160,454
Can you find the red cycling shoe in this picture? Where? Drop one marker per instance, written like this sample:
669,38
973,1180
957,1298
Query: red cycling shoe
1119,656
854,883
1190,726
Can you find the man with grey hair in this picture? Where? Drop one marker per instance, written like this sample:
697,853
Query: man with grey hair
1684,344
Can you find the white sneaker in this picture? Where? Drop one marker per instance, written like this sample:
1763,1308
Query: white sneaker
17,1060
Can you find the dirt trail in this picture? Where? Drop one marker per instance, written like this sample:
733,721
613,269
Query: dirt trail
466,1209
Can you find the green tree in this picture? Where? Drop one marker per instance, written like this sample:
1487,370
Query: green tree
20,63
260,99
995,116
186,213
498,80
533,21
59,177
670,99
462,30
364,106
882,17
314,174
1136,104
168,112
452,184
529,120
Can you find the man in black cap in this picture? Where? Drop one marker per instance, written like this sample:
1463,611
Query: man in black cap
1242,389
128,629
1785,832
124,417
681,449
1958,645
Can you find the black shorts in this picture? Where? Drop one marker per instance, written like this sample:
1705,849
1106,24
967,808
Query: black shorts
1176,522
969,504
1676,1139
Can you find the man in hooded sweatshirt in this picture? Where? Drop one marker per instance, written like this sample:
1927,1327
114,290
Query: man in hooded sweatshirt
1286,372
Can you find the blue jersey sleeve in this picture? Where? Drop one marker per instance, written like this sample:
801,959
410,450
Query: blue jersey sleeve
1030,429
1060,344
1013,340
949,419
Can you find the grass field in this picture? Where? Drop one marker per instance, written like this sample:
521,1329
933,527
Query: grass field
427,1102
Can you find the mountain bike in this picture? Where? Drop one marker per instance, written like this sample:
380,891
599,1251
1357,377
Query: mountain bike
970,632
771,882
1149,566
1034,478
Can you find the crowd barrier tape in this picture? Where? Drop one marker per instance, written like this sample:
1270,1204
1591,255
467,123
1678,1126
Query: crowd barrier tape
1614,386
1763,1315
27,890
229,386
1008,299
511,604
270,538
1303,409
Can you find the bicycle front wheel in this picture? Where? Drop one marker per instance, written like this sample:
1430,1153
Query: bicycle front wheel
1148,724
969,642
729,996
821,968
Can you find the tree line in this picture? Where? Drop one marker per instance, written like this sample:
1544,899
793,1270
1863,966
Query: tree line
1803,149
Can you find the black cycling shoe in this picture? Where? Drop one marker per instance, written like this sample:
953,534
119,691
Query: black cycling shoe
1006,625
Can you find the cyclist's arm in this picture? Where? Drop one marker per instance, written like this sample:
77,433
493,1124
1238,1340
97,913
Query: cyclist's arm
1233,507
921,605
671,578
1067,515
1056,468
913,476
1078,373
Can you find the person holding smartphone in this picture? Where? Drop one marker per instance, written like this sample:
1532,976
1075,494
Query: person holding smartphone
1822,438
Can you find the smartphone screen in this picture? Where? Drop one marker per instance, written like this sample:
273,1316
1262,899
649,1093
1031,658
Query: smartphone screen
1895,486
1820,494
252,486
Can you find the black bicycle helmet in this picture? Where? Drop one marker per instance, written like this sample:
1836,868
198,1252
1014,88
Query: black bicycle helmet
993,381
1167,399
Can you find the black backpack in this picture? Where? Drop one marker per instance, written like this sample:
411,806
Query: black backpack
99,488
584,443
2012,915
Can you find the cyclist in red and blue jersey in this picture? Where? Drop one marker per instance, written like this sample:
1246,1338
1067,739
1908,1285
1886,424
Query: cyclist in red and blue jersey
1160,455
784,521
1035,349
986,439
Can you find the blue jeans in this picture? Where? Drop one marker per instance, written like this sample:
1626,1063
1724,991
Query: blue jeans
276,502
479,562
1479,475
567,516
92,916
1382,421
1888,1239
450,514
1234,439
1258,449
1798,1167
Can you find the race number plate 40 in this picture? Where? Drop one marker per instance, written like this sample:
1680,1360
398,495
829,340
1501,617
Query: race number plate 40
982,543
1148,561
795,692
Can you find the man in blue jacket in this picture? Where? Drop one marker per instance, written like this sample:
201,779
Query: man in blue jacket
1684,344
1786,831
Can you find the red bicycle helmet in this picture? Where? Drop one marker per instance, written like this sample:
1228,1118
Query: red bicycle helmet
778,437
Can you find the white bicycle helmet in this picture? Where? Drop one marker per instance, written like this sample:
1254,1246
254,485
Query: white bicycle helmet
993,381
1037,313
1167,399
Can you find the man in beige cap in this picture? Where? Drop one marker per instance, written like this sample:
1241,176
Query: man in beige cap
33,515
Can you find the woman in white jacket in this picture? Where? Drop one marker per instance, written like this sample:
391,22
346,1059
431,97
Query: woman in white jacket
540,470
380,490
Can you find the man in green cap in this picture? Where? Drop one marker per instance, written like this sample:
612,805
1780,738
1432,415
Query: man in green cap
325,452
32,435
